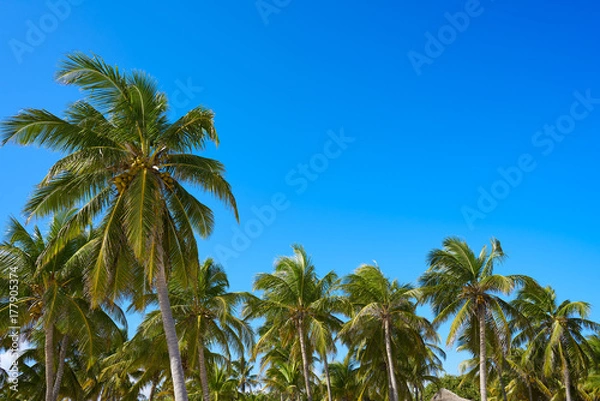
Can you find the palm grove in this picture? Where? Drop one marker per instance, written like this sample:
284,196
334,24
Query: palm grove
122,232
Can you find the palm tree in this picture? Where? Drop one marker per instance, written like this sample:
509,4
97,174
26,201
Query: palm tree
591,385
384,316
294,302
51,289
125,162
526,383
285,380
131,368
460,283
31,385
223,386
425,367
324,326
345,382
243,372
260,396
498,337
204,313
557,333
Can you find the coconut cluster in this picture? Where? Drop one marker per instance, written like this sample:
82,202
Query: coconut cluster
167,179
123,180
35,310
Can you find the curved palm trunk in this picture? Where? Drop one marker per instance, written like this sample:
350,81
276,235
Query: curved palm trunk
171,335
567,381
64,343
304,360
529,391
388,350
49,356
203,374
482,354
327,377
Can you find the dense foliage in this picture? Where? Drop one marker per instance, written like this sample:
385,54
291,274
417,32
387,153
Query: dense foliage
122,234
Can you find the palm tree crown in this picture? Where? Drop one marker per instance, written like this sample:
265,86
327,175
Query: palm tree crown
461,283
124,161
384,323
296,303
557,333
52,299
125,164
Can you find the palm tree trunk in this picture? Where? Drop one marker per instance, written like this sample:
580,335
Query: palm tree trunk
49,356
482,354
387,369
327,377
203,374
567,381
170,333
304,360
388,350
64,343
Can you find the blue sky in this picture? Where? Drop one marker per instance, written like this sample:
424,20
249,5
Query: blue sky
504,89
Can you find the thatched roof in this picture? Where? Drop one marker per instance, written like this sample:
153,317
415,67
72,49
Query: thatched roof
447,395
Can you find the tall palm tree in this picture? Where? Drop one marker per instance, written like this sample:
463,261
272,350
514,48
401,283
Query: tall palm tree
205,316
384,316
294,300
557,333
324,327
125,162
463,284
51,289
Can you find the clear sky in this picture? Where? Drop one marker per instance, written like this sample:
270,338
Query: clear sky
363,130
